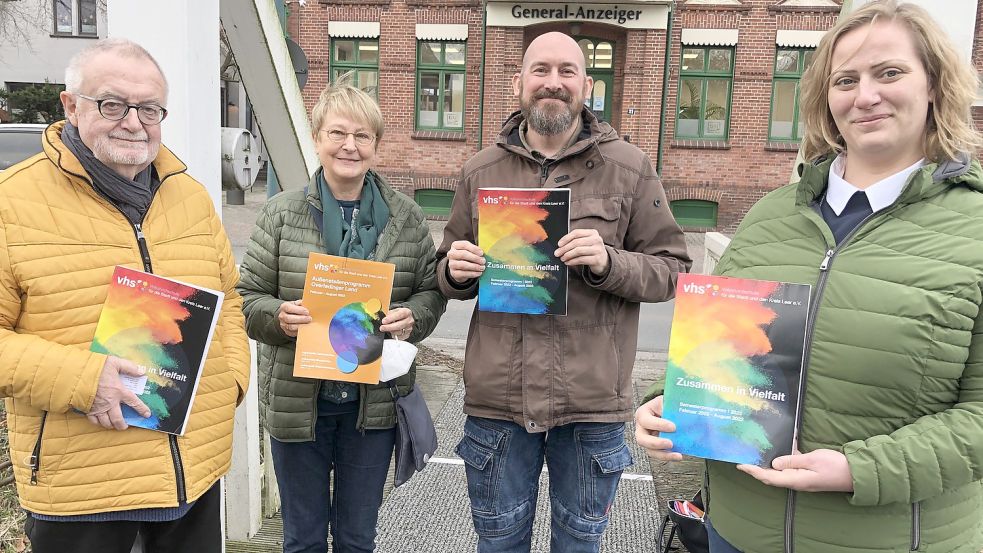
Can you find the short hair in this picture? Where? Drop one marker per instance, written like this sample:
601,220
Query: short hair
949,129
350,102
117,45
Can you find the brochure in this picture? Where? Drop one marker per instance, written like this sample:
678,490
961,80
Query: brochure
347,299
518,230
164,326
735,360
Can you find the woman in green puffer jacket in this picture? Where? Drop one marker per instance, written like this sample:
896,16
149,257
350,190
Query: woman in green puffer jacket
887,226
319,427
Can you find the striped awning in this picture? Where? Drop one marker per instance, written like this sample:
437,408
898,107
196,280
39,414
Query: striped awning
709,37
353,29
799,39
446,31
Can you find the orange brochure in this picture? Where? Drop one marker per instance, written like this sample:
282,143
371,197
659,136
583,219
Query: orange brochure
347,299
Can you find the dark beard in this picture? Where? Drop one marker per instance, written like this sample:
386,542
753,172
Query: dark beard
549,122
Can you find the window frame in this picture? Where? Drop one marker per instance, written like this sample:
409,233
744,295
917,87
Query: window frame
72,15
358,65
95,22
785,77
75,17
705,75
442,68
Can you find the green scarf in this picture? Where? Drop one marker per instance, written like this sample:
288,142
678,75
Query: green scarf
370,219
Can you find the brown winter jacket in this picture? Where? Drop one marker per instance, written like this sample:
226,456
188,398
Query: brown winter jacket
545,371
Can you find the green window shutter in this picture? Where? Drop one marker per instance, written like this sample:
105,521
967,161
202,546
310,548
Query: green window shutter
434,202
694,213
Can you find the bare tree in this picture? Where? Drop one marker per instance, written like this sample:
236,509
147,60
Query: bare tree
20,19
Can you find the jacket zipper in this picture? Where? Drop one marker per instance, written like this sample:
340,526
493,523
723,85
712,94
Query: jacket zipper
916,526
36,453
810,330
171,438
544,172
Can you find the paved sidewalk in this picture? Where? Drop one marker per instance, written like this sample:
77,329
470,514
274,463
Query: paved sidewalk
431,512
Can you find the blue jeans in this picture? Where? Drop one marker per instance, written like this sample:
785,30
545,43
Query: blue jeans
717,543
503,463
303,471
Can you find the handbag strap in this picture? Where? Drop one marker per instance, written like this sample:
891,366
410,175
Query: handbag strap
394,391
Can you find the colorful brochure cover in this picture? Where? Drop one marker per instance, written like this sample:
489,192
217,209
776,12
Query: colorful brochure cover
735,360
164,326
518,230
347,299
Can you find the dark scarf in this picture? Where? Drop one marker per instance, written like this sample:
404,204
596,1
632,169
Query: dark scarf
368,222
132,197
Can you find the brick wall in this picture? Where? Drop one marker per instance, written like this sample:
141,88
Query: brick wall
733,173
410,159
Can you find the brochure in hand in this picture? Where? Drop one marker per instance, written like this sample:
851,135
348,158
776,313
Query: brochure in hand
518,230
347,299
165,327
735,361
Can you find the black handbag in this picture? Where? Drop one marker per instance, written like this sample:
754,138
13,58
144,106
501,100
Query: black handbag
416,437
691,532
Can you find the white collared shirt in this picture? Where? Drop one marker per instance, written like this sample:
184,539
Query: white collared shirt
881,194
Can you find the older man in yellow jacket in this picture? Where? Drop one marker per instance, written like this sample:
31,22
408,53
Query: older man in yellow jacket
103,193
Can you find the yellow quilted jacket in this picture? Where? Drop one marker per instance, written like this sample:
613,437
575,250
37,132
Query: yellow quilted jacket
59,242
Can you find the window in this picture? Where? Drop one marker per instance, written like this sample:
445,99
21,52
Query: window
694,213
87,17
786,116
356,62
63,17
705,80
597,54
440,85
434,201
75,17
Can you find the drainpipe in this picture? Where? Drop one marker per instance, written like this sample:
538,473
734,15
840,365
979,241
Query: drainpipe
665,91
481,74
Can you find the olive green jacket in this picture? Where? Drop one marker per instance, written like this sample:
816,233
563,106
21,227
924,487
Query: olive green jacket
893,376
272,272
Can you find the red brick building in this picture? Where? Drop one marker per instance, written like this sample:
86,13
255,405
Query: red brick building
722,126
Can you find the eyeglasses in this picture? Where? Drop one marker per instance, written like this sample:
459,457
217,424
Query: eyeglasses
361,138
115,110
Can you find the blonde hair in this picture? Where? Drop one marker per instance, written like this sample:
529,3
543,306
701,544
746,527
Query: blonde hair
349,102
949,130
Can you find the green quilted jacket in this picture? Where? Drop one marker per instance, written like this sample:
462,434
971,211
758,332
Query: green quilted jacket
894,370
272,272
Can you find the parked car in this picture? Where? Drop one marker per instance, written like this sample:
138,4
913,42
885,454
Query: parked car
19,142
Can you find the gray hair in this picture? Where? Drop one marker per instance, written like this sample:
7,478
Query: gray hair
122,46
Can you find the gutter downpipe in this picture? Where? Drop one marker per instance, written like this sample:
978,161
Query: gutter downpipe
481,72
665,91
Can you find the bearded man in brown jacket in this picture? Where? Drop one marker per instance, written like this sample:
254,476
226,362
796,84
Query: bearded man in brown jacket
558,388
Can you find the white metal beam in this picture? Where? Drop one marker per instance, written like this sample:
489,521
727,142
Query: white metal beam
256,38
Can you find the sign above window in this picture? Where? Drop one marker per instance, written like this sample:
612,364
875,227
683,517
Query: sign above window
629,15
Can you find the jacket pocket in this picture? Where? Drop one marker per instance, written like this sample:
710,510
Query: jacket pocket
591,370
916,526
481,449
35,458
266,373
600,214
487,381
